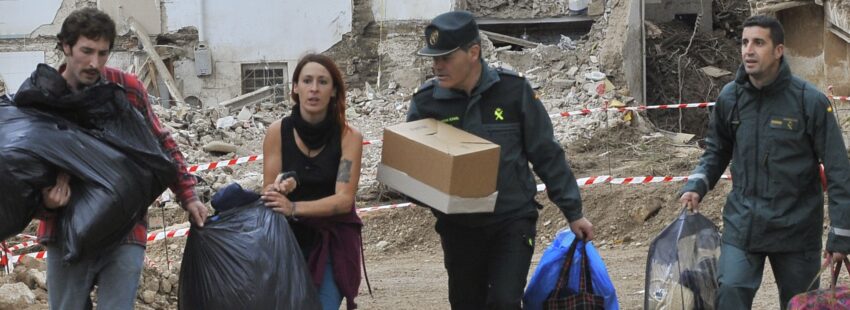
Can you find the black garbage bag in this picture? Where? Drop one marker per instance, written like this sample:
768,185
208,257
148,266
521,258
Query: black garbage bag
245,258
15,213
681,268
104,112
110,191
118,167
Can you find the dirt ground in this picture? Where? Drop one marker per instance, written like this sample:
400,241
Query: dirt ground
410,275
403,255
404,258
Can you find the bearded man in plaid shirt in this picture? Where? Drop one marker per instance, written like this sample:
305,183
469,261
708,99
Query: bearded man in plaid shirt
86,39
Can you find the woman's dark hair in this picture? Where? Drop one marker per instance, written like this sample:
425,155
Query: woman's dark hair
88,22
338,99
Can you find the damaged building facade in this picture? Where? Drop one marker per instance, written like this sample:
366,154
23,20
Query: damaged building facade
214,51
217,50
817,39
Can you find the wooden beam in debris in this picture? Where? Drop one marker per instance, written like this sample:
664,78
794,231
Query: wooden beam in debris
509,39
149,80
236,103
157,61
534,21
146,77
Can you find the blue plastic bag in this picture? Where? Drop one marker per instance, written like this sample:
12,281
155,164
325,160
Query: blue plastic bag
545,276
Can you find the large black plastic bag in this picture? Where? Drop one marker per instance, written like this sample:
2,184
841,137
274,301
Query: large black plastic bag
118,167
681,269
15,213
246,259
109,190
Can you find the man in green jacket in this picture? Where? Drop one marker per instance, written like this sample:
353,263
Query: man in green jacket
776,129
487,255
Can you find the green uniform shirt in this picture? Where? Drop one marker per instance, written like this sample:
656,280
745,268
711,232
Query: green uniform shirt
503,109
775,138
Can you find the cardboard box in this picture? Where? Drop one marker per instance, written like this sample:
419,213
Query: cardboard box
443,167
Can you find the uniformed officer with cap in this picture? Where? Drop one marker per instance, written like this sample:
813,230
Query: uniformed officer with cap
487,255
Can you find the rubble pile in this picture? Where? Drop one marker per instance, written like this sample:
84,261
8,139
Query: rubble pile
25,287
567,76
687,67
356,53
158,288
519,9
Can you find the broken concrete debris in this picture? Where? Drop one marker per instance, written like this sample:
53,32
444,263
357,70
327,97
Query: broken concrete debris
253,97
236,127
220,147
714,72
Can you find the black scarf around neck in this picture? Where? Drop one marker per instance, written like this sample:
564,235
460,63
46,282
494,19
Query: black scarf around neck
315,136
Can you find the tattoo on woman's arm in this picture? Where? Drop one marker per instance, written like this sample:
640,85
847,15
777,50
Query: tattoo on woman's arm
344,174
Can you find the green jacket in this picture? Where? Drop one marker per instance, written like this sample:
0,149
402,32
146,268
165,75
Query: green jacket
775,138
504,109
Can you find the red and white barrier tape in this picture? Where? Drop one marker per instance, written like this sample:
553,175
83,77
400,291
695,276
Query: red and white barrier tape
246,159
168,234
235,161
637,108
252,158
24,245
37,255
581,183
540,187
25,236
393,206
150,238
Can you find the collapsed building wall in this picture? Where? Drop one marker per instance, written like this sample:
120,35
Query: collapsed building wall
251,44
29,39
379,48
817,39
804,39
837,46
662,11
356,53
254,44
524,8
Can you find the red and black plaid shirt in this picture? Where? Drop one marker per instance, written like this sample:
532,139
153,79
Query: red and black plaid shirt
184,187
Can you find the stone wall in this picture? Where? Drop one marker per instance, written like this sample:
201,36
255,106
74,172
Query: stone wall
815,54
515,8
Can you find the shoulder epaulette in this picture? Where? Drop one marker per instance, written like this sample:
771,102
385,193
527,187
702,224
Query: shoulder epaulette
509,72
428,84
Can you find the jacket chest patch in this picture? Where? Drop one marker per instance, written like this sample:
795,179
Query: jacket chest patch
786,123
494,111
499,114
451,120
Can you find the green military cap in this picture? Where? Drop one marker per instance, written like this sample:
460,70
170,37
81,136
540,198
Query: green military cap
448,32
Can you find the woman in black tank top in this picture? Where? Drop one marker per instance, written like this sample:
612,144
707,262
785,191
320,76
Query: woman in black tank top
317,144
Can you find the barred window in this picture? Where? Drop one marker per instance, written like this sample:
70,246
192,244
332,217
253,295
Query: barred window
259,75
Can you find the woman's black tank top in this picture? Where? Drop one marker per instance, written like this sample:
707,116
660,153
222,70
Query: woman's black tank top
316,175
